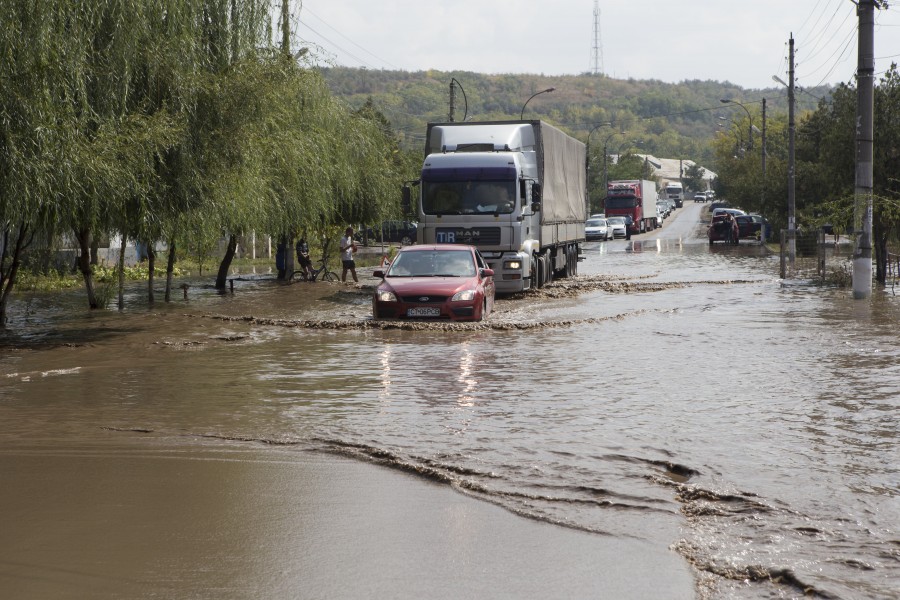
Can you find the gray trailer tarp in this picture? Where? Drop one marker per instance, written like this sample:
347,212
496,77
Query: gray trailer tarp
563,176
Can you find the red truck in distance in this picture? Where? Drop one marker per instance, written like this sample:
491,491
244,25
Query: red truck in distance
633,198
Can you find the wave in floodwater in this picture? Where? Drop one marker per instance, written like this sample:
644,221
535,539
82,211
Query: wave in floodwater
673,392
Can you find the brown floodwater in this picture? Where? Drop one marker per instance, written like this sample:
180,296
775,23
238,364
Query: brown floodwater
675,396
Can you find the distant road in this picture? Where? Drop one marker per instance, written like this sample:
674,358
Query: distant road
682,224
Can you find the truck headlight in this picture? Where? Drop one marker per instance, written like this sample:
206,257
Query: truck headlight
463,296
385,296
514,265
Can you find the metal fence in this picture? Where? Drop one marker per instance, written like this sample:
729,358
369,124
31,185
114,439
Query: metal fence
807,255
893,271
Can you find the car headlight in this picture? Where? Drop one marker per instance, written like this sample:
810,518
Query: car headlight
463,296
385,296
515,265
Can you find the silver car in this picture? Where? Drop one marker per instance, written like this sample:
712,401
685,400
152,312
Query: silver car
618,227
597,229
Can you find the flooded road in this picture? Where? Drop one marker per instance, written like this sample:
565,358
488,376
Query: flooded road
675,396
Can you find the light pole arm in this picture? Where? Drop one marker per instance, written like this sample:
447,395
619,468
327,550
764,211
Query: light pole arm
522,115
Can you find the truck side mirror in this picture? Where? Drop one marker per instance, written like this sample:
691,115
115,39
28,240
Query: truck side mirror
406,201
523,191
536,197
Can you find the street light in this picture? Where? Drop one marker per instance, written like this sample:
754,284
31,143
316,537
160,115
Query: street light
749,117
522,116
736,131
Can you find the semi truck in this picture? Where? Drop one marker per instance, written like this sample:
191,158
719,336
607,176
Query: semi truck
675,191
514,189
633,198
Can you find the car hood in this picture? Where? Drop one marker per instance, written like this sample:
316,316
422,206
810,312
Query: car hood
438,286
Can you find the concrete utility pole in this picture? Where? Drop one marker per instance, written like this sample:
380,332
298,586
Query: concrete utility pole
762,234
792,223
452,99
865,108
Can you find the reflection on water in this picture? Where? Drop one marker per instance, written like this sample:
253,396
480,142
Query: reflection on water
751,425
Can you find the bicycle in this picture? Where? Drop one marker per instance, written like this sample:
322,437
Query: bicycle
327,275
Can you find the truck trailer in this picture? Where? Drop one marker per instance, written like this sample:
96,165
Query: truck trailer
634,198
513,189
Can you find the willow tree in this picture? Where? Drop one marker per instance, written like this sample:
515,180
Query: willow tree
30,144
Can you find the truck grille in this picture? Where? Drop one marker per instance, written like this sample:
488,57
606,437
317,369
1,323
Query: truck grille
475,236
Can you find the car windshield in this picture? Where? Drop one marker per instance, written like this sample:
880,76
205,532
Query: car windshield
593,223
616,221
433,263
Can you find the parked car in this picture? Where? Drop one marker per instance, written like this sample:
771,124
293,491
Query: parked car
619,227
597,229
598,216
443,281
719,213
749,227
660,214
397,232
700,197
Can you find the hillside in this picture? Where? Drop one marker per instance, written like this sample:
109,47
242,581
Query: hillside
664,119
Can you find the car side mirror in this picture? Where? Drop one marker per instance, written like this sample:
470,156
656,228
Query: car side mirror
378,274
487,272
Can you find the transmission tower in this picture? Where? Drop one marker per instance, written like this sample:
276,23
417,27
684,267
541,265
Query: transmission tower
597,48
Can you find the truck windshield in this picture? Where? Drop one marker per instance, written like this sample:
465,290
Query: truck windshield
468,197
621,202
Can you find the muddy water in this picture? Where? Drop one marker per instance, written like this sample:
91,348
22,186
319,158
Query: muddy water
674,393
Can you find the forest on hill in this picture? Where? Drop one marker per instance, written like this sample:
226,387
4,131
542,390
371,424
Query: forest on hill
648,116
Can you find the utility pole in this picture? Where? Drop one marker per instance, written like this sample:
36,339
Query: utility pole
452,98
865,108
762,204
792,225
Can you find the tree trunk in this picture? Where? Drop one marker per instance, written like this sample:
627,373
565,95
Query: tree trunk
84,265
222,277
8,276
170,269
95,251
122,273
151,267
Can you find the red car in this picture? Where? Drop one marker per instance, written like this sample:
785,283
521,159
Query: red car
444,281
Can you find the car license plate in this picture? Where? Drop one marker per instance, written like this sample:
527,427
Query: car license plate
423,311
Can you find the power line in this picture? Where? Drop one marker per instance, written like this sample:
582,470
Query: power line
344,50
817,38
846,46
350,40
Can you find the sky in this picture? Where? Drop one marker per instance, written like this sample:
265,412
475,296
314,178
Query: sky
744,42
